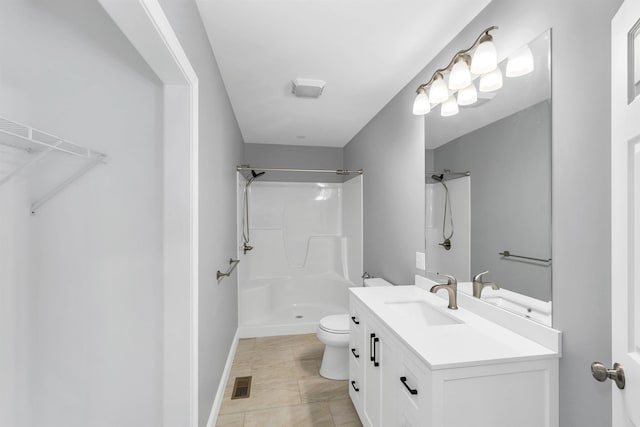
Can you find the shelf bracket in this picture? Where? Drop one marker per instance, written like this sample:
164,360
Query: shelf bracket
28,163
79,174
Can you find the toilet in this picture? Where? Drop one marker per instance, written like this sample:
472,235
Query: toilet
333,332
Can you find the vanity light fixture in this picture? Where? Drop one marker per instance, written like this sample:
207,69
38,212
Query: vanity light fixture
485,58
449,107
492,81
463,69
421,106
520,63
460,76
460,69
468,95
438,92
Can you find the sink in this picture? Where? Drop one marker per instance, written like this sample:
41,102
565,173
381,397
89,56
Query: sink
421,313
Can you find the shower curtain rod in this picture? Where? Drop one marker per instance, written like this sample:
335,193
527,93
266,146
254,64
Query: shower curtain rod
336,171
448,172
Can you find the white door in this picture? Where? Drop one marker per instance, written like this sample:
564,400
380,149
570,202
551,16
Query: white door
625,218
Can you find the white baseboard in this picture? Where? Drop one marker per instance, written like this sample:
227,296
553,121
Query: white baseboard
217,403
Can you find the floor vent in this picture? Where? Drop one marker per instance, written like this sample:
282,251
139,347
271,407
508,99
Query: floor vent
241,388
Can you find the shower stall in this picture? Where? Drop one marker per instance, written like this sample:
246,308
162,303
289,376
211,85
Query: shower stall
300,247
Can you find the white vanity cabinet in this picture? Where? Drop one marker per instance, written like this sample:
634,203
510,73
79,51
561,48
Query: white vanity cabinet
373,371
399,385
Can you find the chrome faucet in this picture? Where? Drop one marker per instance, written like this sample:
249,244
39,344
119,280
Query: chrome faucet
479,285
451,287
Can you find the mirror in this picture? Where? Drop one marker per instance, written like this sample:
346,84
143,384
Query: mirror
488,189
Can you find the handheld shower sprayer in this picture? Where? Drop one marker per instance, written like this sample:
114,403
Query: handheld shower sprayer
245,211
446,243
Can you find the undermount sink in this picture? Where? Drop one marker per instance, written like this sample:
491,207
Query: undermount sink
421,313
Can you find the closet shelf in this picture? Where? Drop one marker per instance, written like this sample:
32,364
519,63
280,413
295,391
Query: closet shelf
35,145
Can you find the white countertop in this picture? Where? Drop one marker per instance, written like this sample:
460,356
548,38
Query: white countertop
475,341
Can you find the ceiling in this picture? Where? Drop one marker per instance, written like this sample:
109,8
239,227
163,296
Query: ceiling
366,51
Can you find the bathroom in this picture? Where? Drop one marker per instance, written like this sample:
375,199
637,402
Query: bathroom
98,336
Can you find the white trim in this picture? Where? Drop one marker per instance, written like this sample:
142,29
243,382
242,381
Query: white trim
217,402
144,23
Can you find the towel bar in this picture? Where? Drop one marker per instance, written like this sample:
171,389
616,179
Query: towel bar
233,263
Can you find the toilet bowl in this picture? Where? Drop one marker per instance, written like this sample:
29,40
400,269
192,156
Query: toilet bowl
333,332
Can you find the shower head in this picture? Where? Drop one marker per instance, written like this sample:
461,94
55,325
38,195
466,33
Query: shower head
253,177
438,178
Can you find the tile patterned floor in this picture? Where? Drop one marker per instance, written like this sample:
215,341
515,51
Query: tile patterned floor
286,389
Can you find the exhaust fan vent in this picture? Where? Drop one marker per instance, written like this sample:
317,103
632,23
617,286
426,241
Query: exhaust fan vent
308,88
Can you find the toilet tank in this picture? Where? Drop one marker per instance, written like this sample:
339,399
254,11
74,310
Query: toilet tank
376,281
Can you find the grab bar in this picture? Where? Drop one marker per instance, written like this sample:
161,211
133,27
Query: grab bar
233,263
508,254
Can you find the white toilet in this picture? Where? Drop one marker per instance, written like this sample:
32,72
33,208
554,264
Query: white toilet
333,331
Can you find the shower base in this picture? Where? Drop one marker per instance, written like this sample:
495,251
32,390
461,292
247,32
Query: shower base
290,320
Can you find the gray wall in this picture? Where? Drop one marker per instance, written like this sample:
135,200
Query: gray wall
510,164
580,173
390,148
295,157
220,151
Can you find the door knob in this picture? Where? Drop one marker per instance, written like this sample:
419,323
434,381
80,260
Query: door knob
601,373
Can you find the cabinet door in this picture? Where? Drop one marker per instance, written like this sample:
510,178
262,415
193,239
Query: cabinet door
372,375
379,371
412,390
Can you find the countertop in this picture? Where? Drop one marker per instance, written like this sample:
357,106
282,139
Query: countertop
475,341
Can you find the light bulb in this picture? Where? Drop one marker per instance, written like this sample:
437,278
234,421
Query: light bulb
485,58
468,95
421,105
520,63
438,91
449,107
491,81
460,76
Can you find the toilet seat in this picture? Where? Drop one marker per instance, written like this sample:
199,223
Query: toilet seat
335,324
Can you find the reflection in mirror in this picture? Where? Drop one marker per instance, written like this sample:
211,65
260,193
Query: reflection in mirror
488,189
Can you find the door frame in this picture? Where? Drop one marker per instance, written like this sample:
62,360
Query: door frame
144,23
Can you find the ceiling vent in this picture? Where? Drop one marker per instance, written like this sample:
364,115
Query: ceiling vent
308,88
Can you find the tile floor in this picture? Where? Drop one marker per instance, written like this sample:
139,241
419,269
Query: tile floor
286,389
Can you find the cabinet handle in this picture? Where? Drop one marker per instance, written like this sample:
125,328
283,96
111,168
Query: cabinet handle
413,391
353,384
375,355
357,322
372,355
356,355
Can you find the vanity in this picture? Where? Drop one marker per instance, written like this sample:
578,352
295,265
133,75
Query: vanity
414,362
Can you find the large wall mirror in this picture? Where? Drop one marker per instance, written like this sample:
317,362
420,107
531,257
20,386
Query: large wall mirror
488,189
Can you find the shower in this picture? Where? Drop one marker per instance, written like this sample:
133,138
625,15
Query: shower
446,243
245,211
